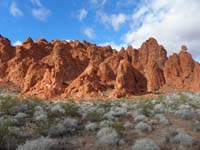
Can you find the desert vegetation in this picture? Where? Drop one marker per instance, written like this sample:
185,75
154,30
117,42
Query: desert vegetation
169,121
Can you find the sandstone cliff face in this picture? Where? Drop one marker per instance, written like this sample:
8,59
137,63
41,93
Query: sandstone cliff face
128,81
86,85
6,53
182,72
61,69
150,60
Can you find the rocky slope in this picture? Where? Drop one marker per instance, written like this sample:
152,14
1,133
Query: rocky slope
61,69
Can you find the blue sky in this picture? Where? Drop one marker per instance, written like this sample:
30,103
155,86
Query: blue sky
62,21
115,22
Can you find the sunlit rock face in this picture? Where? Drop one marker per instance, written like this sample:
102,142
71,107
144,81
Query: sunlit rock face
61,69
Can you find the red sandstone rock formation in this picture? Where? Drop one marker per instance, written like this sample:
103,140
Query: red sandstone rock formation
128,80
182,72
86,85
152,57
61,69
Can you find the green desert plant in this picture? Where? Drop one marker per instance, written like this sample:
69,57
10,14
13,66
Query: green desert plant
94,116
8,139
7,102
71,109
161,97
183,97
42,129
105,105
118,126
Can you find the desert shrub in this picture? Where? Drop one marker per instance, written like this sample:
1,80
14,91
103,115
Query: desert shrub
57,131
161,97
164,121
185,114
180,137
146,111
7,102
107,137
183,97
4,130
71,109
118,126
91,126
139,118
147,107
20,116
184,139
40,118
196,126
28,105
8,139
105,123
36,101
143,127
159,108
42,143
42,129
56,110
70,124
94,116
105,105
145,144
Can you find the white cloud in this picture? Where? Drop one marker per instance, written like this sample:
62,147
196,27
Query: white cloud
41,13
140,12
14,10
17,43
117,20
68,40
172,23
99,2
124,2
82,14
36,2
113,45
89,32
114,20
